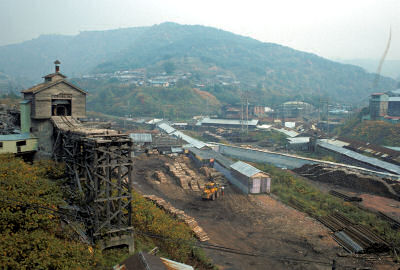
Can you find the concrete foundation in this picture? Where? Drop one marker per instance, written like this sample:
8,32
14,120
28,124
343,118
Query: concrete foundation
122,240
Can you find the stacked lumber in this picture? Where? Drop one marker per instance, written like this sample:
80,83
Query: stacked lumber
180,215
152,152
179,173
160,176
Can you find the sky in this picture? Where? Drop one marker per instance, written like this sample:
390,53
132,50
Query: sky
339,29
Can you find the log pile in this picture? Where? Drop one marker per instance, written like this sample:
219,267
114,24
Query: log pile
160,176
186,177
180,215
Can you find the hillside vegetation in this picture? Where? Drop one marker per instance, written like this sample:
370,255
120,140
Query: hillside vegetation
374,132
273,73
32,236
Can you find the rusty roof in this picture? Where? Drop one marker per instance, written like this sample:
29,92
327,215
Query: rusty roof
42,86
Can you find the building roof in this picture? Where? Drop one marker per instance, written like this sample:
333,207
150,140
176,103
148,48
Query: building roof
54,74
394,99
141,137
238,122
369,160
296,103
194,142
16,137
245,169
166,128
142,261
395,92
290,133
209,154
298,140
371,148
42,86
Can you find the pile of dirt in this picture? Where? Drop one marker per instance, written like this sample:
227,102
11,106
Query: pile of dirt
350,179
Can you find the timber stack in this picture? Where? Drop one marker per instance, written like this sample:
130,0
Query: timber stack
180,215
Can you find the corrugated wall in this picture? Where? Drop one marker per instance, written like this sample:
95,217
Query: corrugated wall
226,172
263,157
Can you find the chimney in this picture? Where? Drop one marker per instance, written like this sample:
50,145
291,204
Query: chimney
57,63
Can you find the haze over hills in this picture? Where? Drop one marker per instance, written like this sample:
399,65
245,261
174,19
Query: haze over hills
390,68
271,72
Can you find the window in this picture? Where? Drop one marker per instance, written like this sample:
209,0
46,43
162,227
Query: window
1,144
21,143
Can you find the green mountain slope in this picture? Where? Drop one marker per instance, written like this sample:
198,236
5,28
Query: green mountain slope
268,70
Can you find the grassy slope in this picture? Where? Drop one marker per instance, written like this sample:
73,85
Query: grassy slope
32,237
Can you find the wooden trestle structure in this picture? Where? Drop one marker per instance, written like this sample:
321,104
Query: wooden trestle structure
99,165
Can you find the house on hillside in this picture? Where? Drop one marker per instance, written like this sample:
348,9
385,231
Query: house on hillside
55,96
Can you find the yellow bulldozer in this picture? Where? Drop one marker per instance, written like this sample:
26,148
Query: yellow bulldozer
211,191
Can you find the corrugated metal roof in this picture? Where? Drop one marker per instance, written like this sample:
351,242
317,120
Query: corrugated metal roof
16,137
194,142
299,140
336,142
207,120
394,99
350,243
290,133
154,121
209,154
393,148
369,160
245,169
141,137
166,128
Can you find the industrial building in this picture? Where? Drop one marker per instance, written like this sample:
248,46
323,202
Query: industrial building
227,123
378,105
353,158
294,109
394,107
54,97
256,181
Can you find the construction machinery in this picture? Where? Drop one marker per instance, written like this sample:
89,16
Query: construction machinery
211,191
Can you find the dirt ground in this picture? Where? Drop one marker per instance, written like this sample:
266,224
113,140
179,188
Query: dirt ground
282,237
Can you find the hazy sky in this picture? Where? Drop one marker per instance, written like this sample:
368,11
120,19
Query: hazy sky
344,29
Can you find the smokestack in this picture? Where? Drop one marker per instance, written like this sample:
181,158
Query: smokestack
57,63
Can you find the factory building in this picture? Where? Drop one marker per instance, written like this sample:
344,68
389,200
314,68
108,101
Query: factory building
55,96
394,107
294,109
378,105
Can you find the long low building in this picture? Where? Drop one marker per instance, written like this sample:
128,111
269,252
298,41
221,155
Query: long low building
227,122
356,159
18,143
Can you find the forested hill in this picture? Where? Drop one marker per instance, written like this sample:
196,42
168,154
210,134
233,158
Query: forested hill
266,68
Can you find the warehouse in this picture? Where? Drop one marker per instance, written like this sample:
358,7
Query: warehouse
256,181
227,123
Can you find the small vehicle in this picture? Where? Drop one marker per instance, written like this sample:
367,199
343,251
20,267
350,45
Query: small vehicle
211,191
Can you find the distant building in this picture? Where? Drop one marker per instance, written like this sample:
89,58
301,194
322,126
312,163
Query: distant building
294,109
378,105
394,107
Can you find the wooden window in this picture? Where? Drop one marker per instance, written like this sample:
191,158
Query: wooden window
21,143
